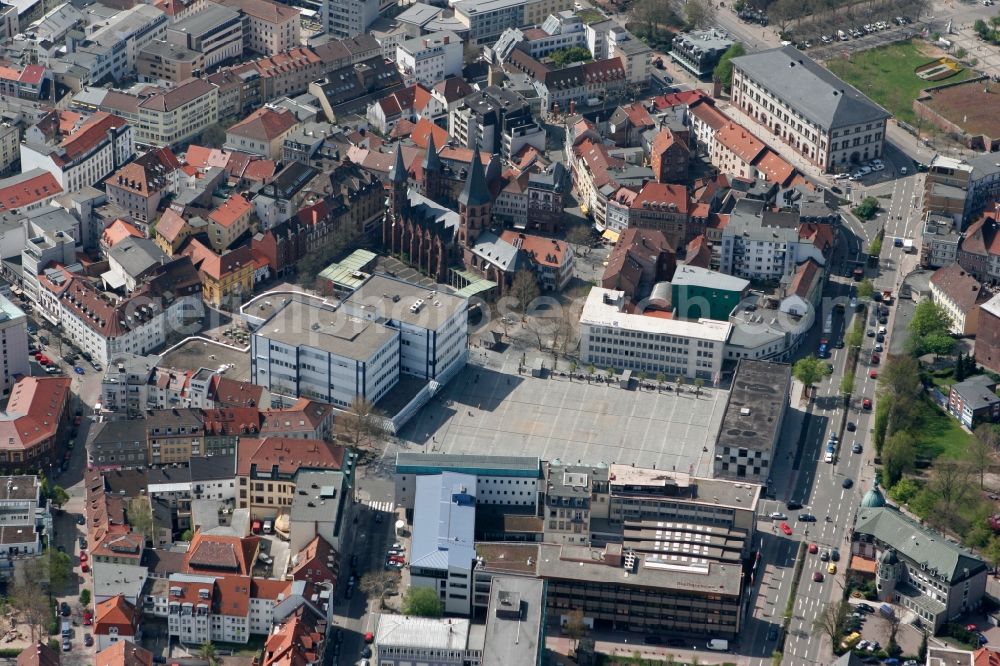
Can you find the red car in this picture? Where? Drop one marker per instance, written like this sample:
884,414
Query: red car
84,567
813,549
83,557
369,637
875,359
873,374
88,618
866,403
786,529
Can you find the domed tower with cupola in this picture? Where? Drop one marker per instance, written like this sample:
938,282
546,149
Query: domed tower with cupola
887,574
874,498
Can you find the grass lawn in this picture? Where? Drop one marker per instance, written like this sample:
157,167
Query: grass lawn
940,434
886,74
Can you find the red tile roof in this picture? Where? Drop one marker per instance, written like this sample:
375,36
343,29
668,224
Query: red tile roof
597,159
32,75
318,562
545,251
287,455
260,171
202,157
265,124
231,210
90,135
805,278
115,613
304,416
821,235
960,287
425,127
986,657
740,141
124,653
221,554
38,654
685,97
232,421
708,114
774,167
34,411
118,231
214,266
170,225
27,188
657,194
402,129
232,596
983,236
453,89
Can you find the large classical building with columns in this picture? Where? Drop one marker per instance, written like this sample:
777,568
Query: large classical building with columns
826,120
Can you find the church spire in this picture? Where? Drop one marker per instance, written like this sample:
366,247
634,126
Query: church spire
431,160
475,192
397,174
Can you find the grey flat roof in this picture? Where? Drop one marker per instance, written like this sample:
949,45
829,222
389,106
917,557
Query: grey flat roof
444,521
111,579
390,298
514,621
18,487
809,88
422,633
206,20
756,402
334,331
711,39
322,502
630,480
419,14
211,468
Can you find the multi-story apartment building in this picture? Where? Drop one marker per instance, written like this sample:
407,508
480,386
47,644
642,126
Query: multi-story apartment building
13,345
24,517
216,32
979,250
10,142
663,207
111,50
570,500
915,566
486,20
267,471
960,294
939,240
498,120
764,244
579,85
273,27
229,221
430,58
613,337
178,114
349,18
163,61
826,120
974,401
174,435
139,186
262,133
561,30
988,338
80,158
35,421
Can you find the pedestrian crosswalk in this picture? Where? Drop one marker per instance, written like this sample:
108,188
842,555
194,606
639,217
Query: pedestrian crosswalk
381,507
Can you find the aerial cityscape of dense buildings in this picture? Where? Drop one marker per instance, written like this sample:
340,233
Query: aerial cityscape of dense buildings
498,332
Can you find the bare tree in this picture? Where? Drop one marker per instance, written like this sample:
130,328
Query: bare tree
26,600
140,517
831,621
524,289
379,584
699,13
575,627
980,455
951,483
362,424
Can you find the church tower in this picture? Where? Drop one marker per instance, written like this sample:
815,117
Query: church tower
474,204
392,223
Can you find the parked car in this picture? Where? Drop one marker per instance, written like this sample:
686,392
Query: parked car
813,549
777,515
807,518
64,609
786,529
88,640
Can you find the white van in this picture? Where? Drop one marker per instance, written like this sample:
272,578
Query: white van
267,527
718,644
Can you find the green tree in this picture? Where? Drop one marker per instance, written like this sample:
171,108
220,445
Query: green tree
58,497
524,289
940,344
928,318
84,597
422,602
905,490
960,367
140,517
866,210
187,535
810,371
992,551
875,247
898,456
207,652
856,336
865,289
213,136
567,56
847,384
724,70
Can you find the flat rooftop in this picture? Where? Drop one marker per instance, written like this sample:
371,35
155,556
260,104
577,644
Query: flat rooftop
303,324
679,573
411,461
756,402
496,411
626,479
18,487
601,309
514,621
971,105
383,297
197,353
